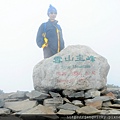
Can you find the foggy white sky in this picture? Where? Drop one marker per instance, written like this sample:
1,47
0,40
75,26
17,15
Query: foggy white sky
95,23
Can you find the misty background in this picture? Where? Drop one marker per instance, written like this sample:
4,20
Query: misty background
95,23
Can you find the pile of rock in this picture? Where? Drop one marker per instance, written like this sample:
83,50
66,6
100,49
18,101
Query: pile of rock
57,103
72,82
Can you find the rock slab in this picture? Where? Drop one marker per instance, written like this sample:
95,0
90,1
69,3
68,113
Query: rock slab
76,67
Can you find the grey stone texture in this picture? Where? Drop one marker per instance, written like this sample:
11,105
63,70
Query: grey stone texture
77,67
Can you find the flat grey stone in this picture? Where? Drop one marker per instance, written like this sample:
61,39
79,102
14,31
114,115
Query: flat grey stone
97,104
115,106
100,98
36,95
92,93
10,117
2,102
108,108
77,103
39,110
18,94
116,101
113,111
5,95
53,94
106,104
67,92
66,100
68,106
103,98
20,105
104,112
53,101
65,112
103,90
77,95
88,110
4,111
114,90
12,100
54,109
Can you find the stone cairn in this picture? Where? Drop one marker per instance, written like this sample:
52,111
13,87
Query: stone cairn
70,83
65,102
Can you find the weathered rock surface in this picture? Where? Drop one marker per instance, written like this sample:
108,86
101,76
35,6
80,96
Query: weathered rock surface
58,103
5,95
107,104
77,67
20,105
65,112
115,106
97,104
116,101
53,94
4,111
114,112
77,103
40,109
115,91
67,92
66,100
18,94
72,82
36,95
92,93
68,106
111,95
100,98
2,103
77,95
53,102
88,110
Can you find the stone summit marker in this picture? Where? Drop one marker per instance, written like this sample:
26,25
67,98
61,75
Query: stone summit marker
76,67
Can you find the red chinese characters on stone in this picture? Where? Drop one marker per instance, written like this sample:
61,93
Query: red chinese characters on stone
76,73
61,73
